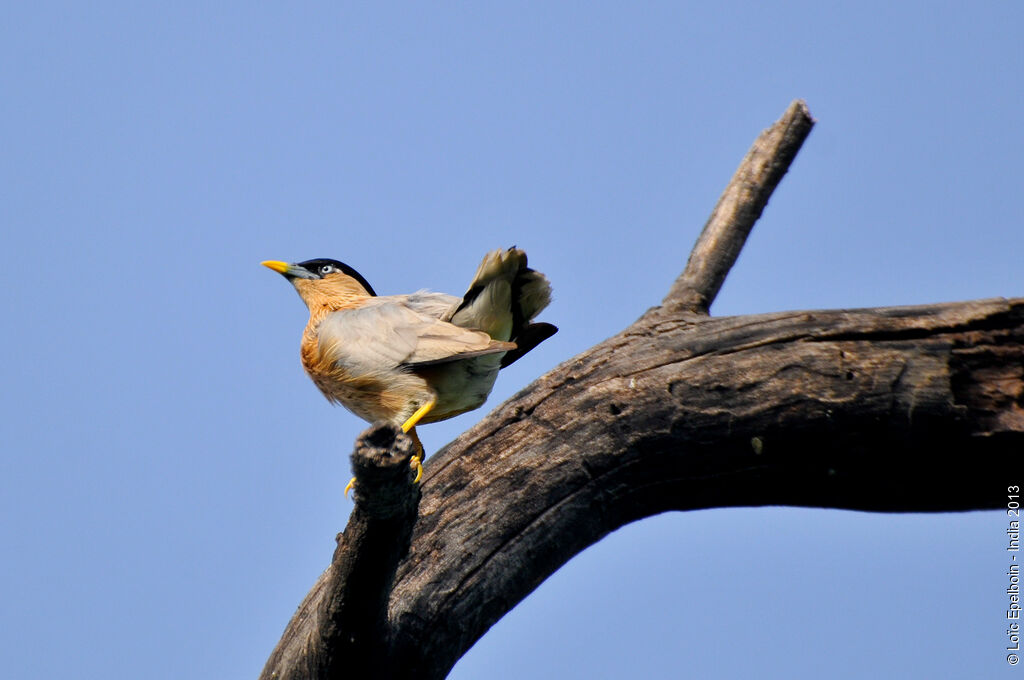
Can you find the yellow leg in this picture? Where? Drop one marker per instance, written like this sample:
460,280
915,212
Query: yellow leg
416,417
416,462
409,427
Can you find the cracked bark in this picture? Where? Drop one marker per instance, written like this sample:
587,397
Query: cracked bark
890,409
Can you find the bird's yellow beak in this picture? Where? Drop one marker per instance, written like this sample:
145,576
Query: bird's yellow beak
279,267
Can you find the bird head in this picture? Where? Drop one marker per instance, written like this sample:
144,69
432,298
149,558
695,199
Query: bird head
323,282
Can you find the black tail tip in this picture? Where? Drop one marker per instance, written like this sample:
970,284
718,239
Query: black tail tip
528,337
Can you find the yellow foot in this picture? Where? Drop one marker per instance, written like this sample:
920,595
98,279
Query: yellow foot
348,487
416,462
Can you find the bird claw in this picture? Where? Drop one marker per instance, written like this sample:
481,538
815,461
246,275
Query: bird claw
415,463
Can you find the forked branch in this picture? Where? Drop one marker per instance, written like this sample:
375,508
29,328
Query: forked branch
896,409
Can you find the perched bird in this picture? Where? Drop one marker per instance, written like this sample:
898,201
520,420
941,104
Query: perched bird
422,357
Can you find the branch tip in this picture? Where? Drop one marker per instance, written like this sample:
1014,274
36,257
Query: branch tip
737,210
380,463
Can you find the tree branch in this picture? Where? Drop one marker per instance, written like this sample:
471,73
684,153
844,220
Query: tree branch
885,410
894,409
737,210
342,625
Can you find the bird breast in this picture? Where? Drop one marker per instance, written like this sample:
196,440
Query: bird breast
388,395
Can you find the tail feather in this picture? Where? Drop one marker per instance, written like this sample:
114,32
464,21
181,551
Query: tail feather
503,298
529,337
531,293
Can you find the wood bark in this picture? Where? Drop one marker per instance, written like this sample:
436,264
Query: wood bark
892,409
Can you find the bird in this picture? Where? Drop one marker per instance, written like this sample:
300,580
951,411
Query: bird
422,357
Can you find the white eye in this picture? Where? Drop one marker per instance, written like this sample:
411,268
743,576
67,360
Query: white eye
326,269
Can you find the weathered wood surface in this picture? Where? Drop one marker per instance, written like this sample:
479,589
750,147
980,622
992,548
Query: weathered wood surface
341,628
896,409
885,410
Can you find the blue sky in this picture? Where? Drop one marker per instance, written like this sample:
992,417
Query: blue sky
170,481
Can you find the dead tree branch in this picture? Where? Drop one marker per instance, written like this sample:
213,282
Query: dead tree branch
739,207
341,627
893,409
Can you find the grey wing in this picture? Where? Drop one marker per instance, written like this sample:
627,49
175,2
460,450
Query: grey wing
434,305
387,333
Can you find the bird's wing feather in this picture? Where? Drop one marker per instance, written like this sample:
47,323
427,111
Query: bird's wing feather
388,332
434,305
